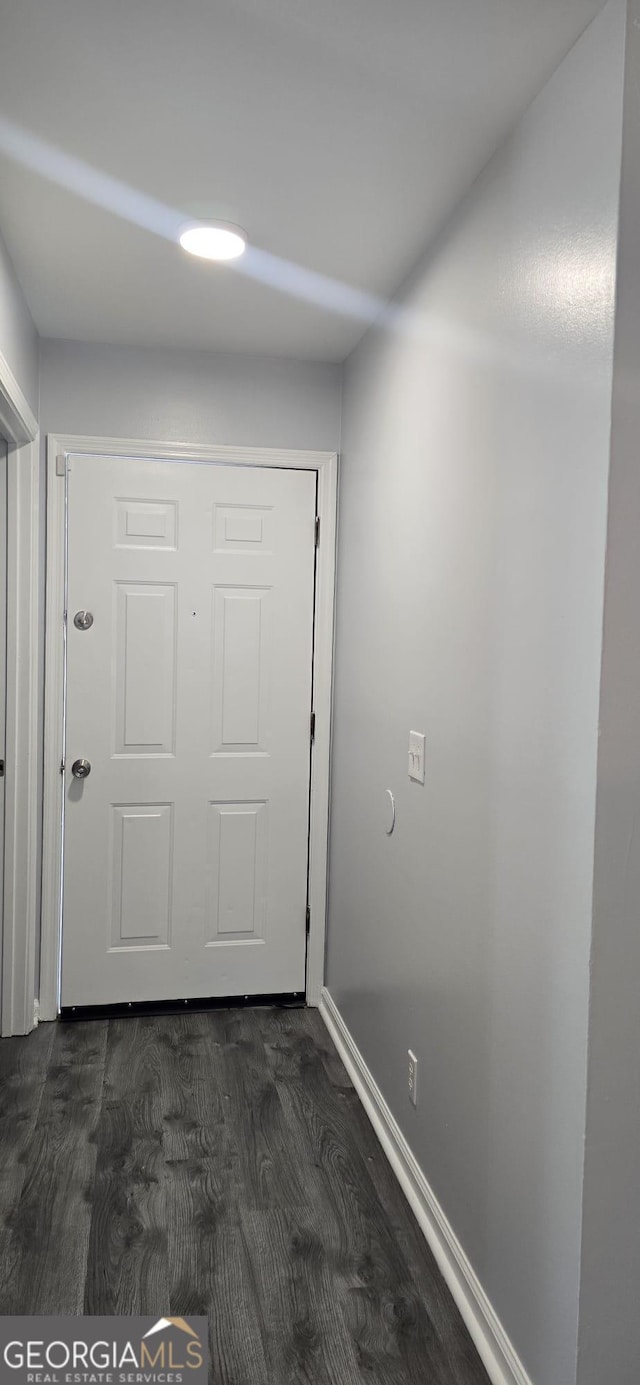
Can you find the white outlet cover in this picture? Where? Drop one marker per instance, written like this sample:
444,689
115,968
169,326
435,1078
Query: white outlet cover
416,756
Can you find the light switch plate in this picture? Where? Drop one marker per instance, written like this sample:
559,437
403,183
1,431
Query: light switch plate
416,756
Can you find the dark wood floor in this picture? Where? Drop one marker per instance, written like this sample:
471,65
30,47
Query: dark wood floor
218,1163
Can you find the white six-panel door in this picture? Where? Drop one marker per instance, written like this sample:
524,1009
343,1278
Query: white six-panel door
185,857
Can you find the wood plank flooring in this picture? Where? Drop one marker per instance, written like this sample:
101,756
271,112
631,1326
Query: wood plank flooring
220,1164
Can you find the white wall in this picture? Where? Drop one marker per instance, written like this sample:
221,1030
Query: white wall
188,396
470,594
18,336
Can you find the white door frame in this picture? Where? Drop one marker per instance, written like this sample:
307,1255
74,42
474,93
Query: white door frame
326,466
19,426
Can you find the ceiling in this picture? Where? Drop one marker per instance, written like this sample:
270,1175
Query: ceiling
338,133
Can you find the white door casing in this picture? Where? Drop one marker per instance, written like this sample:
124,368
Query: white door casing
3,658
59,449
23,631
190,694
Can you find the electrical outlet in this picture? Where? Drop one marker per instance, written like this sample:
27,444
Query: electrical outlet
413,1078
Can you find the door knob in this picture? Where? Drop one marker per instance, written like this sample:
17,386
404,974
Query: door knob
81,769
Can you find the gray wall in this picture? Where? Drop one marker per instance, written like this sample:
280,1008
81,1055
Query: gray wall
18,336
609,1309
189,396
470,593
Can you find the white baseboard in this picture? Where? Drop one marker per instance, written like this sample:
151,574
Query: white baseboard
498,1356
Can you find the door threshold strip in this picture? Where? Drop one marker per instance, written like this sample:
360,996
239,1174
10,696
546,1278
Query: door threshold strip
289,1000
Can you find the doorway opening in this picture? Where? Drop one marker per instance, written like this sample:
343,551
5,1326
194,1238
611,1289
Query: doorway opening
193,675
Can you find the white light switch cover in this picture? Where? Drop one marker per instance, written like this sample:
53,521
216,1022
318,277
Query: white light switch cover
416,756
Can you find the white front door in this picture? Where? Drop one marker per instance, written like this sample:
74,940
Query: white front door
189,694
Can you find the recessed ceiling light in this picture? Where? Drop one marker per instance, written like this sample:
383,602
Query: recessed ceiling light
216,242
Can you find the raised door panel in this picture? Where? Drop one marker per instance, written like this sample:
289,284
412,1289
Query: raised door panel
145,670
243,529
240,669
140,874
237,871
146,524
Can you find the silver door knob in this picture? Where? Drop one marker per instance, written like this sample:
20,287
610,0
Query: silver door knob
81,769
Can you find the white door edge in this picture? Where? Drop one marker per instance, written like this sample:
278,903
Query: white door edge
325,464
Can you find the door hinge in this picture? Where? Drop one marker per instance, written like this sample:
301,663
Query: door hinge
312,727
317,531
308,919
61,464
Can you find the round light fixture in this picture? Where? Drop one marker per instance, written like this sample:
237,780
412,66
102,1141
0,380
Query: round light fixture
216,242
